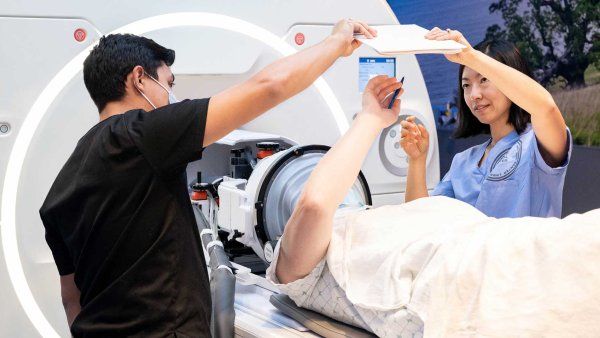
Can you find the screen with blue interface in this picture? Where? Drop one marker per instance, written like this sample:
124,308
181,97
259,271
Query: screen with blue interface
371,67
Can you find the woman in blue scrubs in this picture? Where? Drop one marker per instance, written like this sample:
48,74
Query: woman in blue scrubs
520,170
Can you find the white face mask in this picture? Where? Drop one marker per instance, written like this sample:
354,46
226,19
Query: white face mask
172,98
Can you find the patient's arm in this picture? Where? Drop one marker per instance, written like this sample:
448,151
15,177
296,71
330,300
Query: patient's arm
308,231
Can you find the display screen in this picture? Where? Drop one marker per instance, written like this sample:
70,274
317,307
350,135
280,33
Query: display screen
371,67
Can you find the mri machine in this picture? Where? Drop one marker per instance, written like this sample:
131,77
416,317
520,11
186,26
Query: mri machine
242,199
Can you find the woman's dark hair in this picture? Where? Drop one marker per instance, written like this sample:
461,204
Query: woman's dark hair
106,68
508,54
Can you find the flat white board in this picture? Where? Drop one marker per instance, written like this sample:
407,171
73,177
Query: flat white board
407,39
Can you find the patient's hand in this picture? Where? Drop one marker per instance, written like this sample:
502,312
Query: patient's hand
376,99
414,139
448,34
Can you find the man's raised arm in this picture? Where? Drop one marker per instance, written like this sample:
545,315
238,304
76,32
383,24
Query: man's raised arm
279,81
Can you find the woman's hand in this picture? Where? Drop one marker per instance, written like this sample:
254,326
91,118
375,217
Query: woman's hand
448,34
414,139
376,99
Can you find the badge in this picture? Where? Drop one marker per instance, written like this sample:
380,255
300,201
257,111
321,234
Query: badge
506,163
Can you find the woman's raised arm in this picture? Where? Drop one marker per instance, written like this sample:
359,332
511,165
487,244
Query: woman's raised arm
548,123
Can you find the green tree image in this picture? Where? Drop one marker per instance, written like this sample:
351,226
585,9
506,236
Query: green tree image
558,38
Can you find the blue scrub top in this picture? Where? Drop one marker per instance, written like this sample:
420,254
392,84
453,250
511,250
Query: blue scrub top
513,181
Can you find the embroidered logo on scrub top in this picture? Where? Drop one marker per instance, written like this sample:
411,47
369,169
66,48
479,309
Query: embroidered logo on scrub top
505,163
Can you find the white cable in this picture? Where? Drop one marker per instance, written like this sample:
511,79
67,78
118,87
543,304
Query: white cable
206,231
213,243
222,266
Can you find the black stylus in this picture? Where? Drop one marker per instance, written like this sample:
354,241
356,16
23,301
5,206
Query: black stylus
395,95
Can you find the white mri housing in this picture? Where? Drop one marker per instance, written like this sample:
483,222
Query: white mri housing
46,109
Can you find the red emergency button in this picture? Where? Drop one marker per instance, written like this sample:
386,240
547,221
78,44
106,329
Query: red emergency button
80,34
299,39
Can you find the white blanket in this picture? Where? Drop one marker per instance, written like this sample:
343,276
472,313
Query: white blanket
466,274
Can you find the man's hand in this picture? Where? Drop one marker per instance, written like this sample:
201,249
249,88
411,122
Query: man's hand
345,30
376,99
414,139
70,297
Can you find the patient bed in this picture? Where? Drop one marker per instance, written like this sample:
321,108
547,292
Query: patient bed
317,322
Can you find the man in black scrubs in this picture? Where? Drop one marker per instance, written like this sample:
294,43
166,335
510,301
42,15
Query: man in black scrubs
118,217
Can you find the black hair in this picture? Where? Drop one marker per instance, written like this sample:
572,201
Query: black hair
106,68
508,54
